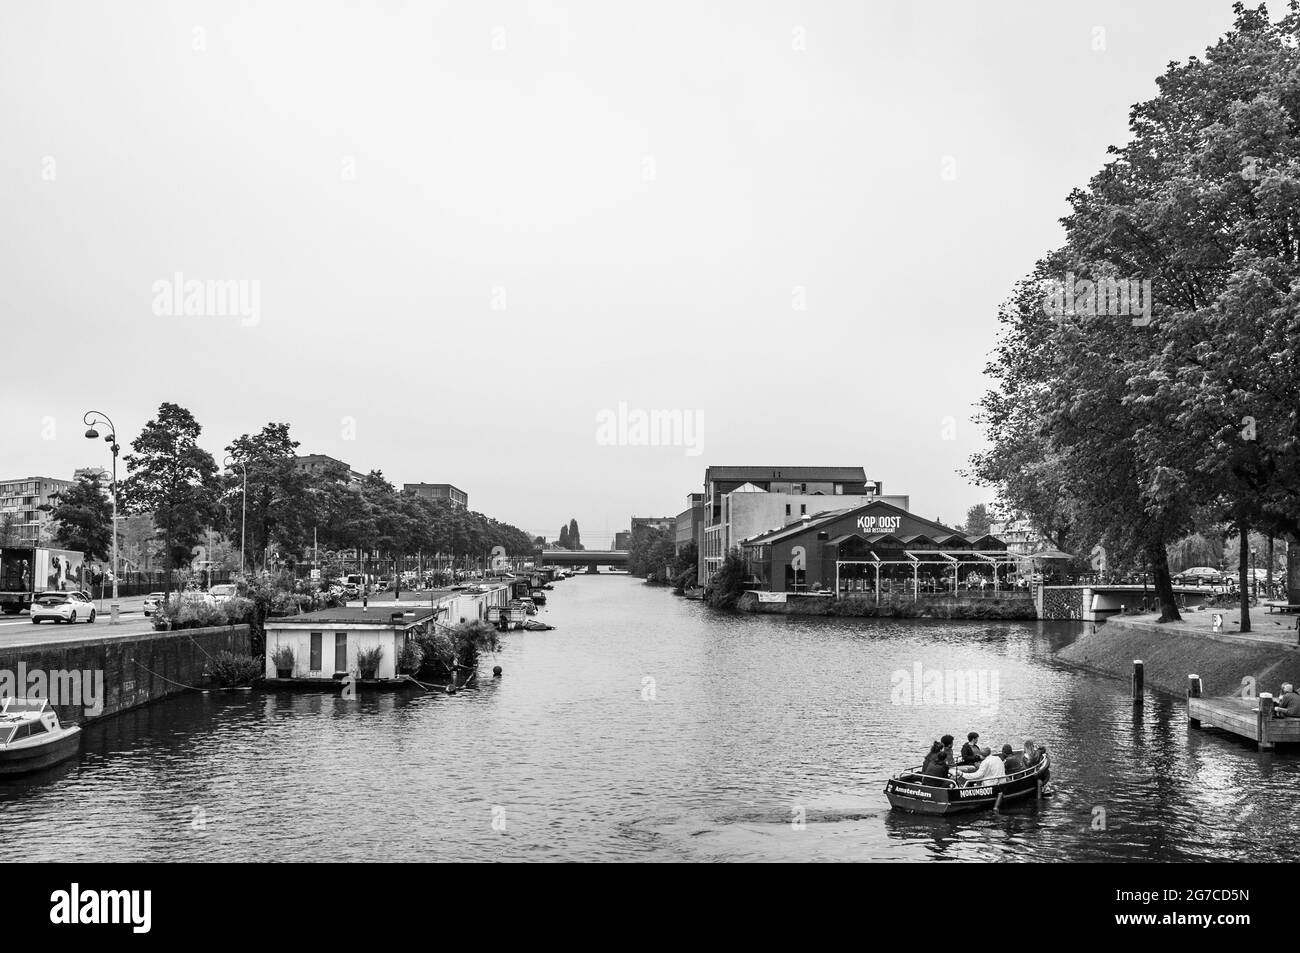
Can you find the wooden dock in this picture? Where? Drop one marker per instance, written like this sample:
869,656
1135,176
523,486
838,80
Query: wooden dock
1248,717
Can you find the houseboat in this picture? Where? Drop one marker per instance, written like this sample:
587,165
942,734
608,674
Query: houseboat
31,737
318,649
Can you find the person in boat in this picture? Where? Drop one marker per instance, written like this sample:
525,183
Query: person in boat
970,751
946,741
936,751
1012,762
1033,753
990,770
938,765
1288,704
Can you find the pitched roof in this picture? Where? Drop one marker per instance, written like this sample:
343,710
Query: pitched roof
803,525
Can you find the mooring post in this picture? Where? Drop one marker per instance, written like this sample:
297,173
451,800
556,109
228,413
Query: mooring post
1264,720
1193,691
1137,680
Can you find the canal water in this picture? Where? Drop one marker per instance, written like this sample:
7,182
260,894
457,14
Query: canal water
647,727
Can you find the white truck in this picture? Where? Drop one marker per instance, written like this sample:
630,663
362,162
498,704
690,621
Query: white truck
28,570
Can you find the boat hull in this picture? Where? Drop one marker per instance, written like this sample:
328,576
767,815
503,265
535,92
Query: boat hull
908,792
27,759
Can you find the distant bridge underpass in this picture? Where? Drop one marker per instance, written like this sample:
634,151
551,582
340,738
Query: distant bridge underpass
591,558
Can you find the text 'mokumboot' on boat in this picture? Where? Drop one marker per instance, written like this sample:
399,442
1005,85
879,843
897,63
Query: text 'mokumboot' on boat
919,793
31,737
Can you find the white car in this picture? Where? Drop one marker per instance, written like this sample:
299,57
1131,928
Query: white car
223,592
152,602
62,607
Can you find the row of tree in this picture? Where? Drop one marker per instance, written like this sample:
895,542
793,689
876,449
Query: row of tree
1180,412
265,504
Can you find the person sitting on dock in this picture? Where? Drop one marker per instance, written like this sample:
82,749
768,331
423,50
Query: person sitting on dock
1012,762
989,771
970,751
1288,705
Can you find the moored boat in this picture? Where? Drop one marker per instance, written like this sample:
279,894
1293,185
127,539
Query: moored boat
31,737
917,793
538,597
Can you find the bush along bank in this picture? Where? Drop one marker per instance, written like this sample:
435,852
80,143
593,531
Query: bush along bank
1010,607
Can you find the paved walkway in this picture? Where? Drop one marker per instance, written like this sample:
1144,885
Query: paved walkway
1273,628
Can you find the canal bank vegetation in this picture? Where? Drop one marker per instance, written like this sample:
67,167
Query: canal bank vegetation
652,554
445,649
1146,377
730,583
233,669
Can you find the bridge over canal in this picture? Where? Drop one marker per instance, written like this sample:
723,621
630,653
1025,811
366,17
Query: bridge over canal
591,558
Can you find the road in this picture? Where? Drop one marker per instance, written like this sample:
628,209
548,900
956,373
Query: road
17,630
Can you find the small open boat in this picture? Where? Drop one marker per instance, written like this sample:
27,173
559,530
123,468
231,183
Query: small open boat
31,737
916,793
532,625
538,597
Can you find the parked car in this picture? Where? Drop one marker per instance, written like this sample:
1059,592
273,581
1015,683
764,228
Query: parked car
223,592
152,602
62,607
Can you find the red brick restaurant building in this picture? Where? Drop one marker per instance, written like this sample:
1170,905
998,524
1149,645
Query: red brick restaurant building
876,548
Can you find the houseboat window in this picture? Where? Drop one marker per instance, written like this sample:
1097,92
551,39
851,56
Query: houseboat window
340,651
316,651
6,735
36,727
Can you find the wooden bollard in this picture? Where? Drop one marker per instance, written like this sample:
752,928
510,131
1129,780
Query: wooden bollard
1193,691
1137,680
1264,721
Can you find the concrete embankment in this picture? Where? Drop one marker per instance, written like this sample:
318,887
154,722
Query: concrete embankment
121,672
1172,651
1008,606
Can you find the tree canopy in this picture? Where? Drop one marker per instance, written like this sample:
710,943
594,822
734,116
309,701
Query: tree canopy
1116,424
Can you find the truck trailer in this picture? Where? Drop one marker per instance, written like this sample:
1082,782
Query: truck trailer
25,571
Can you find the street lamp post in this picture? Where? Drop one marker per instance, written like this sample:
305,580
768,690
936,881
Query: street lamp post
1254,581
91,418
243,507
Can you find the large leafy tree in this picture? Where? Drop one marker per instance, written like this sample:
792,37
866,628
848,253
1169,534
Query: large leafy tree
280,510
170,475
84,517
1141,425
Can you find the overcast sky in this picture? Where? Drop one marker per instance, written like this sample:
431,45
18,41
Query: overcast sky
476,226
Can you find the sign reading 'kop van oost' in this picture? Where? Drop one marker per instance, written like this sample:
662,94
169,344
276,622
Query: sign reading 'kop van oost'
879,524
